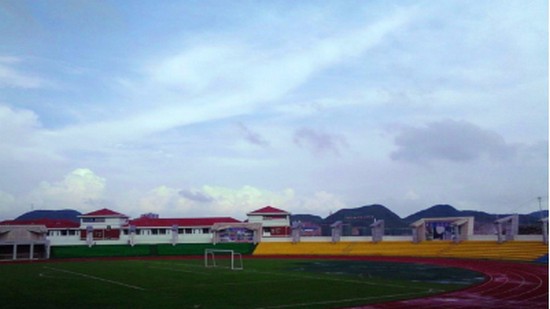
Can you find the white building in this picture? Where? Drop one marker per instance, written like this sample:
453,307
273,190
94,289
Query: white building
275,222
108,227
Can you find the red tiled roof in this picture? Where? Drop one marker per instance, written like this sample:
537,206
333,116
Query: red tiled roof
181,222
268,210
103,213
49,223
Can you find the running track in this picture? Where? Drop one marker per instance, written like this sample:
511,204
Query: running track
507,285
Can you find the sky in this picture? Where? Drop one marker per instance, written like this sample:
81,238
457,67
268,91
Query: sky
218,108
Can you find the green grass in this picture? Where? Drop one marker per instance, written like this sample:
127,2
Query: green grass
264,283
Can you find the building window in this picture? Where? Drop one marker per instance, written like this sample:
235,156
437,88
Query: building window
154,231
205,230
188,231
93,219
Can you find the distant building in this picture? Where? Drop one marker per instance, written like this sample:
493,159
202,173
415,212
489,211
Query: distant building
103,224
311,229
24,242
29,239
150,215
174,230
275,222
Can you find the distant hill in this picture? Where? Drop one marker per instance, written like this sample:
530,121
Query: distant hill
435,211
444,210
306,218
483,222
65,214
357,220
367,213
537,214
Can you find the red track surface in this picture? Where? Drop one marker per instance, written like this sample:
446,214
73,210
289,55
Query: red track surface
508,285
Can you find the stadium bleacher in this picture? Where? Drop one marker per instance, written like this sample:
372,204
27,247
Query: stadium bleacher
514,250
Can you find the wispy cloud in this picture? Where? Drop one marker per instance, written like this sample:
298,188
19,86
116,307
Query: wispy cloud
318,142
196,196
13,77
217,80
252,137
224,103
450,140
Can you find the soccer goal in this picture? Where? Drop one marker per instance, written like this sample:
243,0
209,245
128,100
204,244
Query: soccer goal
223,258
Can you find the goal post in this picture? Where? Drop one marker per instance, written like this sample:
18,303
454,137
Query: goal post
223,258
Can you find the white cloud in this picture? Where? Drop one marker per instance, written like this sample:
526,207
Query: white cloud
16,125
225,201
411,195
162,200
81,190
12,77
321,203
217,80
201,67
213,201
247,198
19,135
8,205
161,102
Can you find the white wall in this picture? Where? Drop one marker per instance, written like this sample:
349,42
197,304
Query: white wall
58,240
270,222
115,223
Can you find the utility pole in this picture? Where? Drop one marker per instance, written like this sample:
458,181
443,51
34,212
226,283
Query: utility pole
540,207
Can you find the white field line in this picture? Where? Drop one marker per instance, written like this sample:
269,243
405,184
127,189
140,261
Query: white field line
336,301
96,278
47,275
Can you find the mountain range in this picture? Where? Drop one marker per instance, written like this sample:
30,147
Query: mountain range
64,214
357,220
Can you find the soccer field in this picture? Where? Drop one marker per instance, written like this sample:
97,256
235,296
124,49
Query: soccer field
187,283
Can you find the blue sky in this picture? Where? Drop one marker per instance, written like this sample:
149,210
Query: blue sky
202,108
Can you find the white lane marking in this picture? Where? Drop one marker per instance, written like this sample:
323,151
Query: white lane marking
96,278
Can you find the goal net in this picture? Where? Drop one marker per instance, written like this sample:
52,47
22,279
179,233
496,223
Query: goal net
223,258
